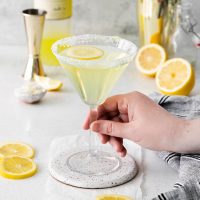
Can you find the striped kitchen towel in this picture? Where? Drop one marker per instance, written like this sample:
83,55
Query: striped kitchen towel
187,165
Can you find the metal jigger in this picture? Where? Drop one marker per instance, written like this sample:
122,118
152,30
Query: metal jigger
34,25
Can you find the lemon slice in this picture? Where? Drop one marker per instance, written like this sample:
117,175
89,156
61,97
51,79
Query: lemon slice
84,52
16,167
176,77
48,83
113,197
150,58
17,149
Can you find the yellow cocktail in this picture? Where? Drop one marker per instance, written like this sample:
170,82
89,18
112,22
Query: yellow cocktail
93,83
94,63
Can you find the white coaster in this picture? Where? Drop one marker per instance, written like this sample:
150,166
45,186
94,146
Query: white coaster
60,171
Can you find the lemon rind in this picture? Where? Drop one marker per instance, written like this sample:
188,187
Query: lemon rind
10,175
54,87
99,55
22,144
176,89
100,197
154,71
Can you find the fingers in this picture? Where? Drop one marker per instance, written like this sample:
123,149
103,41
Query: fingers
86,124
114,104
117,144
117,129
103,138
124,117
110,105
91,117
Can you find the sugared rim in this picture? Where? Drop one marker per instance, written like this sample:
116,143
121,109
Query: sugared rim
123,44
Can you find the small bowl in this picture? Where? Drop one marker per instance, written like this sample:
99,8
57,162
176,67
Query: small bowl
30,92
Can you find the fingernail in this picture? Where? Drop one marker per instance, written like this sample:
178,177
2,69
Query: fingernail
122,154
103,141
95,127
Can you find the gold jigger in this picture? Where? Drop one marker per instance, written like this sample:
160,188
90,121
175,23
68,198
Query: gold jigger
34,25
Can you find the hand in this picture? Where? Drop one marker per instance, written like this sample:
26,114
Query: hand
136,117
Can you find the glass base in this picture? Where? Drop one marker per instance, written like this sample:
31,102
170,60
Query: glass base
93,162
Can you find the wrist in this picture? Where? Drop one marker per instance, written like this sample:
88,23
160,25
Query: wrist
180,136
190,142
183,137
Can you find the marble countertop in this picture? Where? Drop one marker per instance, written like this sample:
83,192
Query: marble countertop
59,114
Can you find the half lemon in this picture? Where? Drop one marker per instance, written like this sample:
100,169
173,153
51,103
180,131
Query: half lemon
150,58
176,77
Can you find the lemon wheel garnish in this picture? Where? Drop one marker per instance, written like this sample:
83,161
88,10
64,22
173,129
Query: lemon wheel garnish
113,197
176,77
17,149
16,167
150,58
84,52
48,83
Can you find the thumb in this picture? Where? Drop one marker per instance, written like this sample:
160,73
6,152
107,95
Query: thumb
117,129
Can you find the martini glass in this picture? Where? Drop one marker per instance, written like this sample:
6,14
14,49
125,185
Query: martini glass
94,63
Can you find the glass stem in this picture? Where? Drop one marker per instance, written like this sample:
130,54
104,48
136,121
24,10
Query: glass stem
92,141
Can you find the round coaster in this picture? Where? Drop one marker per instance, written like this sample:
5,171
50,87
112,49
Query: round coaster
59,170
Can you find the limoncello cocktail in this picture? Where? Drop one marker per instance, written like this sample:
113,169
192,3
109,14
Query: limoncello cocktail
93,83
94,63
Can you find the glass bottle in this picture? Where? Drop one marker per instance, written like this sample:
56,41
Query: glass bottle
150,20
169,22
180,42
57,26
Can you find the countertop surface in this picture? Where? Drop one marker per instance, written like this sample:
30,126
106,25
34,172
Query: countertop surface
59,114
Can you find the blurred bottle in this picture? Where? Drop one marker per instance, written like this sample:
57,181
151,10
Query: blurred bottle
150,20
181,40
170,21
57,26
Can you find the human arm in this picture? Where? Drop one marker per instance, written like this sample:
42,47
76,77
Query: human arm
136,117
